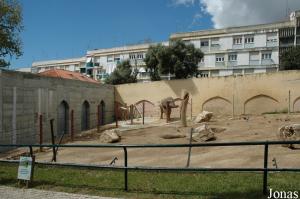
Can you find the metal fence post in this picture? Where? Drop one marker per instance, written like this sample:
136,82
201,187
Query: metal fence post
125,169
265,183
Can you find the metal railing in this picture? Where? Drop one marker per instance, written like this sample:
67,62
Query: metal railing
265,169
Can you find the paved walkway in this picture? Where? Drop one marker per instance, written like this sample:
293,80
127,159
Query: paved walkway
16,193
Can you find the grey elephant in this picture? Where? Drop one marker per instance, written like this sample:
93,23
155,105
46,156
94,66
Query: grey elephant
166,106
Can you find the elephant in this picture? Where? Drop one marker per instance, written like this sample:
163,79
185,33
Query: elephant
166,106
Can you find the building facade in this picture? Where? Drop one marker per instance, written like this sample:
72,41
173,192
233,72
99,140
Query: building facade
244,50
74,64
228,51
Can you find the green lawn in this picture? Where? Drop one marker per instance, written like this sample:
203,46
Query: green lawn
153,184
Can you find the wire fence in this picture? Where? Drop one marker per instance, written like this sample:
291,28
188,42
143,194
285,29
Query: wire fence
265,169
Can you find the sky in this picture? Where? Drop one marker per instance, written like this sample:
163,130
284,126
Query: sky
60,29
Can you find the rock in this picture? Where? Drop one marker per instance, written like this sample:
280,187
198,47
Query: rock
203,133
172,136
110,136
218,129
205,116
289,133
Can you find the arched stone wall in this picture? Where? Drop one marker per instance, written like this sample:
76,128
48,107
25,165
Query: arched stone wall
218,105
261,103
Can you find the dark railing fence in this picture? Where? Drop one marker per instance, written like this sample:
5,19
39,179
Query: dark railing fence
265,169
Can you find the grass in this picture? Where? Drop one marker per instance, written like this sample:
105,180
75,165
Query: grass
152,184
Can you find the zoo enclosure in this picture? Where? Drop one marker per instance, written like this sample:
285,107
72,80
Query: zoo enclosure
265,168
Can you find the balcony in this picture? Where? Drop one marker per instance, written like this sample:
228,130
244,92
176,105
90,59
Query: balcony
271,44
237,46
232,63
254,62
204,48
215,47
267,62
249,45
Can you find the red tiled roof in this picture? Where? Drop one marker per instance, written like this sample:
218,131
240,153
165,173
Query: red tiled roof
65,74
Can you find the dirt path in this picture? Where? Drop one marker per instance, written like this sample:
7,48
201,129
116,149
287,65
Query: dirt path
256,128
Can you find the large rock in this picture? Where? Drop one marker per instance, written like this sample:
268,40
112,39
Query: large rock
289,133
110,136
205,116
203,133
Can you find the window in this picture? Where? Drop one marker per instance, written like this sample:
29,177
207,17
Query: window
131,56
219,58
249,39
110,58
254,56
140,56
232,57
237,40
117,58
202,60
272,37
204,43
215,42
266,55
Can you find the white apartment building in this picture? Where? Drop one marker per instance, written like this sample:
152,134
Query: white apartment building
228,51
73,64
246,49
102,62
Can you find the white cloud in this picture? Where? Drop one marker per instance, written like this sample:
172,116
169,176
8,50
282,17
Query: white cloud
226,13
183,2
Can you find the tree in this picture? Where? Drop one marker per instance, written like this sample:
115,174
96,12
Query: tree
122,74
10,27
290,59
179,59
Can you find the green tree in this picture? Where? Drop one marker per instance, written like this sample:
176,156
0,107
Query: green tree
179,59
124,73
290,60
10,27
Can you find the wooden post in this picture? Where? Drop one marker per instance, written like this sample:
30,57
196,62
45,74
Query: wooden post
191,109
131,114
72,125
289,109
98,118
41,131
190,149
143,113
116,113
53,140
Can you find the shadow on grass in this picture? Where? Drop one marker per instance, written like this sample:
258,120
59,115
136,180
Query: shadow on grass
90,189
253,194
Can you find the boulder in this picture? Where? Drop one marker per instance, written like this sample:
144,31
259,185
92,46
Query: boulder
289,133
203,133
110,136
205,116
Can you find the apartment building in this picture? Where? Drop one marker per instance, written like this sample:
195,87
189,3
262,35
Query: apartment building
243,50
73,64
227,51
102,62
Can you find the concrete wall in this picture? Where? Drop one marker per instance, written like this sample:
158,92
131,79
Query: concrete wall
24,96
249,94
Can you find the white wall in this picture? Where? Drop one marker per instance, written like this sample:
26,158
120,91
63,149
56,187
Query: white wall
260,40
225,43
225,72
243,58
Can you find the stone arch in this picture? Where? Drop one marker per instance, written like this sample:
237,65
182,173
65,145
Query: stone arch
296,105
259,104
85,116
63,118
218,105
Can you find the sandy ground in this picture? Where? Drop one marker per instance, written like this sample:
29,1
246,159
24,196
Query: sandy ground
256,128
